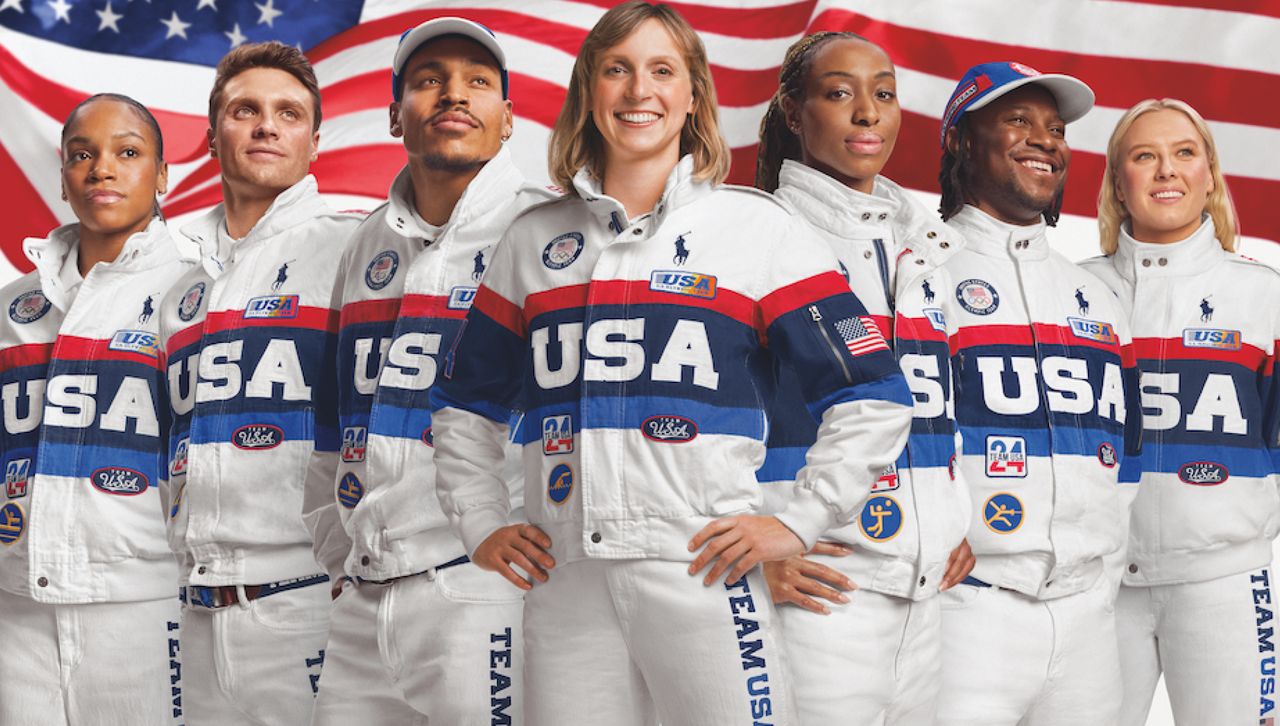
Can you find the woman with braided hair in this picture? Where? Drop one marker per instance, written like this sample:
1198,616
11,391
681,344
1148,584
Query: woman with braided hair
872,657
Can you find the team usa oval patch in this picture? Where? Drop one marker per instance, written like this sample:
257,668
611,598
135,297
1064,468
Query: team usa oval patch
881,518
350,490
189,305
560,483
1002,513
12,522
669,429
428,438
382,269
1202,473
255,437
562,251
119,480
977,296
28,307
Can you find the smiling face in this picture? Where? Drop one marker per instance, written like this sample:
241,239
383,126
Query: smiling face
1164,177
641,95
264,140
452,114
1018,153
849,117
111,171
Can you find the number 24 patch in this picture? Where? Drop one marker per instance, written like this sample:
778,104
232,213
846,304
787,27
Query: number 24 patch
1006,457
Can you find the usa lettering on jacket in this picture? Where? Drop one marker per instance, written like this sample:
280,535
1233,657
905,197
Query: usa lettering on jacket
1206,326
82,394
249,337
403,291
652,342
889,250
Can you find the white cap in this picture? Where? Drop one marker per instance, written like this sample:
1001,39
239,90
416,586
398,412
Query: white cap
432,29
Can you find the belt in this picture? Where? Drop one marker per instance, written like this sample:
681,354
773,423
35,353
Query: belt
451,563
223,595
971,580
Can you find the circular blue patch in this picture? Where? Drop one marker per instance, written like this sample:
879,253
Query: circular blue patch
1002,513
350,490
189,305
562,251
881,518
977,296
560,483
381,269
28,307
12,522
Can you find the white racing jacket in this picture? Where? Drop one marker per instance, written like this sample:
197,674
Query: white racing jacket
1206,328
403,292
643,353
1047,402
81,518
890,249
248,336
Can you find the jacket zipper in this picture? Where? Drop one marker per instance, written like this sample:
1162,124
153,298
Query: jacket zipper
817,319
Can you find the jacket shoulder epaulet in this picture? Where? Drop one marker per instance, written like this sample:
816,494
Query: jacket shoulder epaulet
537,207
752,191
1241,259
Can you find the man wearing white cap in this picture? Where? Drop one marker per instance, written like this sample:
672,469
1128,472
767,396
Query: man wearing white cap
419,635
1046,402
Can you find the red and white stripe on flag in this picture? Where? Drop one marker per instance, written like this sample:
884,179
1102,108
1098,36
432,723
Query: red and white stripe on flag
1219,55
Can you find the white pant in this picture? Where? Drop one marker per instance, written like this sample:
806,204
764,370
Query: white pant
872,662
631,642
1214,641
1009,659
99,664
442,647
255,662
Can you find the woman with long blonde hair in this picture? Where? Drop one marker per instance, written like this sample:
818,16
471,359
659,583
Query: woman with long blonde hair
637,322
1196,599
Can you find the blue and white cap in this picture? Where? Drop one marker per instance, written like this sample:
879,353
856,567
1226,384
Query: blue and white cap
415,38
984,83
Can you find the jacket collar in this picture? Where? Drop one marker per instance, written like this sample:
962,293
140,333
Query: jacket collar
1193,255
833,207
989,236
681,189
849,214
296,205
48,254
497,183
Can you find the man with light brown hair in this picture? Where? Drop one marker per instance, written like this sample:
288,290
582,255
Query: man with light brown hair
248,336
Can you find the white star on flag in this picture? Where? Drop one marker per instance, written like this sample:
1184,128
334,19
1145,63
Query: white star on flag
109,19
12,5
175,26
267,13
235,36
62,9
208,4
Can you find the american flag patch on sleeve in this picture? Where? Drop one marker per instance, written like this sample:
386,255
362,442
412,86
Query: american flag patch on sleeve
861,335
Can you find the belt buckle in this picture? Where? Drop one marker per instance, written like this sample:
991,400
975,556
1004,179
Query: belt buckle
210,597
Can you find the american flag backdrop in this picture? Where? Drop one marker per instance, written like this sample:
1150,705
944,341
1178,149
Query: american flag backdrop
1222,56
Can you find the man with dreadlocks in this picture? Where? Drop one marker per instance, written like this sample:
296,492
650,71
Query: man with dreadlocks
1042,392
827,134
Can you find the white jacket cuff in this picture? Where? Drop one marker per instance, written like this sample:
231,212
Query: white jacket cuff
477,523
807,516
